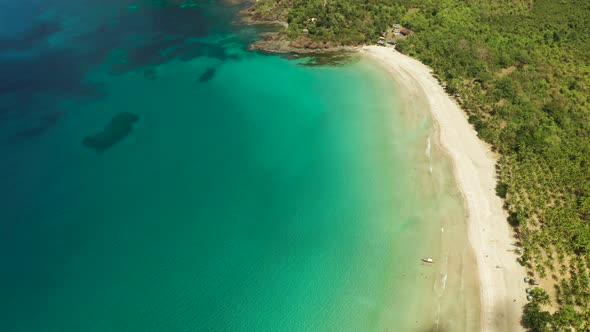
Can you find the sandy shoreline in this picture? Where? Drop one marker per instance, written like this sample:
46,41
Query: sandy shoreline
502,288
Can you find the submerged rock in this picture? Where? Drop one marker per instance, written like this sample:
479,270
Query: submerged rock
150,74
119,127
207,75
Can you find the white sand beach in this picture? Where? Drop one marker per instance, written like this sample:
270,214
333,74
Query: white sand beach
501,277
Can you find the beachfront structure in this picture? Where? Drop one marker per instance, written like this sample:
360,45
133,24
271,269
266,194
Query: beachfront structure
405,31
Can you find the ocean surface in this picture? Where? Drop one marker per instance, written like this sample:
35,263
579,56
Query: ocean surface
253,193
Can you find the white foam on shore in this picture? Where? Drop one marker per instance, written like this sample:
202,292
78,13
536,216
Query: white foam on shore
428,155
444,283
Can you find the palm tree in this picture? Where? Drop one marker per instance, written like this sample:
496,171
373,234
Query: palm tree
540,296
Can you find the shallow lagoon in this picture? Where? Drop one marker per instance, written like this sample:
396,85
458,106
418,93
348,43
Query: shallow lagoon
268,196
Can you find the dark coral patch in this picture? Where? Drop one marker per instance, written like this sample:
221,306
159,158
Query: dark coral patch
207,75
50,62
118,128
35,36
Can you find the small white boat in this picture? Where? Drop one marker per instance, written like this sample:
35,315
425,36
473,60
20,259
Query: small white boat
427,260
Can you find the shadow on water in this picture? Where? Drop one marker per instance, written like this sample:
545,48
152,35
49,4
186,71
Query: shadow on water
50,62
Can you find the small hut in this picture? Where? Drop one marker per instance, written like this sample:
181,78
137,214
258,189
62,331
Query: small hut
405,32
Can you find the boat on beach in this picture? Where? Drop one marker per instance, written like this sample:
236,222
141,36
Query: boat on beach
427,260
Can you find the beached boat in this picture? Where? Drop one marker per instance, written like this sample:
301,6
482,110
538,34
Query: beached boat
427,260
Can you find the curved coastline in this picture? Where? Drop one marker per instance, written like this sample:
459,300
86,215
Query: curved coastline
500,276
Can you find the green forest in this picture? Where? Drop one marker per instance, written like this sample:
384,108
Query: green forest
521,70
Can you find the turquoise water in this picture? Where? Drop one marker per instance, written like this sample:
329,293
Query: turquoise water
262,196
